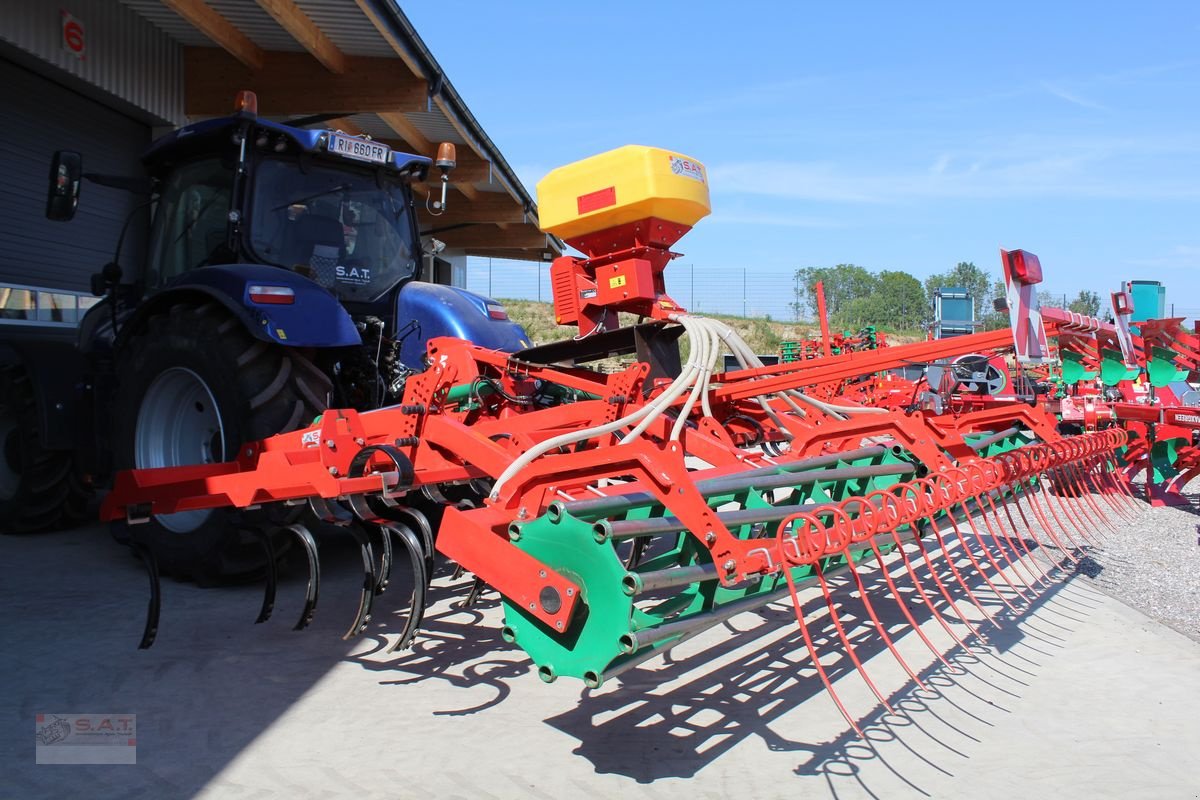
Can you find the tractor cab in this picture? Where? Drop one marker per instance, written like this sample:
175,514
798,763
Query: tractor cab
334,208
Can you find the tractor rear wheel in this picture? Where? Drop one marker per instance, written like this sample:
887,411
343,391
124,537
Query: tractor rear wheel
40,489
196,386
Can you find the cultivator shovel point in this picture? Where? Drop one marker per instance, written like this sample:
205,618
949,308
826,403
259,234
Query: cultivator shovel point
621,514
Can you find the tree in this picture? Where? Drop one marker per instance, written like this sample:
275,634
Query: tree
992,319
1086,302
896,304
965,275
842,284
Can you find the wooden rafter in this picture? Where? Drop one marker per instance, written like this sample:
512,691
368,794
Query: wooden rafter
368,11
221,31
304,30
294,83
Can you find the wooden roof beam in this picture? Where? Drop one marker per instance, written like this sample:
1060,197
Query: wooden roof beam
304,30
294,83
459,213
221,31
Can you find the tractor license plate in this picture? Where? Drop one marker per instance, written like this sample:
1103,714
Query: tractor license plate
359,149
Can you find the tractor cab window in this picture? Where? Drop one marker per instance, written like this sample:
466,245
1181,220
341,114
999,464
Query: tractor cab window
344,228
190,226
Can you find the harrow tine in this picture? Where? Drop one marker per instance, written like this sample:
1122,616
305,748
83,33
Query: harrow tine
1067,491
1085,492
925,483
1102,478
1066,508
1011,535
370,581
154,606
886,497
841,632
954,570
420,577
887,576
945,592
268,603
1017,491
946,484
879,626
987,553
1002,539
1031,493
313,589
798,607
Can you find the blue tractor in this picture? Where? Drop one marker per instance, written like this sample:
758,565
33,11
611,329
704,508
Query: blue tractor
281,279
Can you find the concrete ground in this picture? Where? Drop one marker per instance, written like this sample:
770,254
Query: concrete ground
1080,697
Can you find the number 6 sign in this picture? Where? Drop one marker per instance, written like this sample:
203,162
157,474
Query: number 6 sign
72,36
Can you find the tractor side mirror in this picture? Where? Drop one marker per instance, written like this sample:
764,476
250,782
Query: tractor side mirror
62,196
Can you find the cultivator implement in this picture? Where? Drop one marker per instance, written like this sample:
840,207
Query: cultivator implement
621,514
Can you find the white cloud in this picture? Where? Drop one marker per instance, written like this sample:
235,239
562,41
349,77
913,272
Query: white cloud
1023,166
1072,97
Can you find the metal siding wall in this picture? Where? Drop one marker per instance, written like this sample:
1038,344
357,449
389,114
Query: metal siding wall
39,117
126,56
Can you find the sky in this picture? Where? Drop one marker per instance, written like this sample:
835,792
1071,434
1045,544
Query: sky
891,135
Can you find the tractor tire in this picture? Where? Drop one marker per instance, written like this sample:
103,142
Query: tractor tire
194,385
39,489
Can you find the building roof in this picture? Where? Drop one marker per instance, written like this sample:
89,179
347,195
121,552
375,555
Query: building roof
362,61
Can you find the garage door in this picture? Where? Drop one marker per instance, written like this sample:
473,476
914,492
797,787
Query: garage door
37,117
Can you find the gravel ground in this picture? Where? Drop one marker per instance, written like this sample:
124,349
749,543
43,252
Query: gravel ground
1153,564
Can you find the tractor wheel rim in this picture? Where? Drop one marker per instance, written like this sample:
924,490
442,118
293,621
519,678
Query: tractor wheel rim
179,423
10,458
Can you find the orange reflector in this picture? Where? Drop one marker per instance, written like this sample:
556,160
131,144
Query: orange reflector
272,295
246,101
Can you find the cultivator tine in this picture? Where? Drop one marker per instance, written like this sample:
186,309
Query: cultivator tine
154,606
477,587
384,574
272,576
420,579
419,521
311,592
370,581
